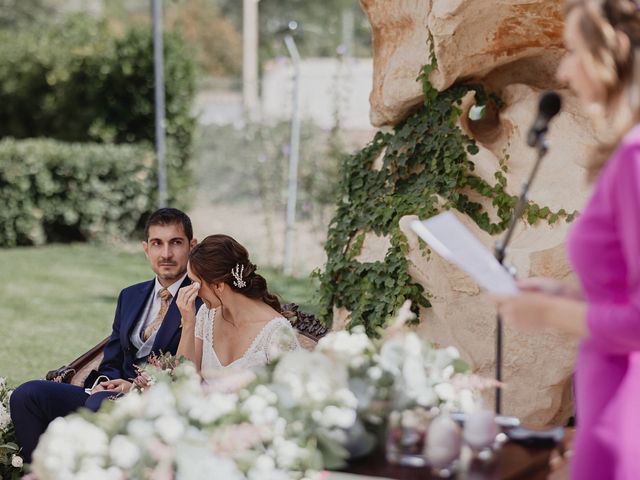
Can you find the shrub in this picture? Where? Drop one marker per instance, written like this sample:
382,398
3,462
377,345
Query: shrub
54,191
78,82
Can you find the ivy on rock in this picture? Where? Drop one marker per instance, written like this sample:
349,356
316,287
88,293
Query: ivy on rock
425,161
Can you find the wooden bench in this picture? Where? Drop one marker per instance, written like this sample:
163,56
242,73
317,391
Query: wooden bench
308,328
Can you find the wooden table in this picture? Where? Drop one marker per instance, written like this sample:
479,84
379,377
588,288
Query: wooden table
513,462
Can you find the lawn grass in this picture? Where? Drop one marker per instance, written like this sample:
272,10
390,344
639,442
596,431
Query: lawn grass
58,301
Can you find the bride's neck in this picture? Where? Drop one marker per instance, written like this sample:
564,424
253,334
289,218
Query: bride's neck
244,310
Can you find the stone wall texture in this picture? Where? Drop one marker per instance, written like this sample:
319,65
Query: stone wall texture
513,48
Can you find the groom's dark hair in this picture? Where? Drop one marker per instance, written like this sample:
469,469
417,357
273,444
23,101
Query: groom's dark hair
169,216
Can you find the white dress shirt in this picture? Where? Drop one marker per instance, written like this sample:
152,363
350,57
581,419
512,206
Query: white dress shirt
151,309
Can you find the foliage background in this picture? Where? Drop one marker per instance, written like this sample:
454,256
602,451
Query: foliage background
236,164
76,81
321,25
60,192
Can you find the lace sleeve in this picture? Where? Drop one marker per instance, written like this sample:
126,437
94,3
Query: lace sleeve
201,318
281,339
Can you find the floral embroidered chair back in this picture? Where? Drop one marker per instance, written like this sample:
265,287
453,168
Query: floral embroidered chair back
308,327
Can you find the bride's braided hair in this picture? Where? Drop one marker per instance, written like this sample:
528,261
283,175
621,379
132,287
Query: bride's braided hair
215,259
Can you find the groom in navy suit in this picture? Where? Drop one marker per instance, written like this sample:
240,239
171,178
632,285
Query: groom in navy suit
146,321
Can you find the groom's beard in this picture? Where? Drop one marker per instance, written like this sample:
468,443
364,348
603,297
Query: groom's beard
169,271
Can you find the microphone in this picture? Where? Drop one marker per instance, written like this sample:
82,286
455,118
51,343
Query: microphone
548,107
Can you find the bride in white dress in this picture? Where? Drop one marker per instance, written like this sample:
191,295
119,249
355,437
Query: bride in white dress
240,324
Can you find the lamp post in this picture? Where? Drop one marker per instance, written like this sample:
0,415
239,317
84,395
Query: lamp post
294,151
158,70
250,96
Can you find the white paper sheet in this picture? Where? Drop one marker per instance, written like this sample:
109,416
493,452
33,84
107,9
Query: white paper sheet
448,237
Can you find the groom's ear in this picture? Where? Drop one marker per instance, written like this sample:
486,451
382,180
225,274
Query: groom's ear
193,243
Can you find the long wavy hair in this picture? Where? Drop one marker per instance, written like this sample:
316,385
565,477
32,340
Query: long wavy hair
616,71
216,256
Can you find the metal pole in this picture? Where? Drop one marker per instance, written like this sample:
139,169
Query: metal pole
250,58
158,70
293,157
501,253
348,21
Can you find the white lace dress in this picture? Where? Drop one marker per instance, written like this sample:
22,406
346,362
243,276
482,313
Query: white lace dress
276,336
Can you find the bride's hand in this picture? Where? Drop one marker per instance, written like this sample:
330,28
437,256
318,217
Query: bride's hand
186,302
142,381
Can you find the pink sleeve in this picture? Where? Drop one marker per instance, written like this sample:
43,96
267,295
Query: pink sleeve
615,327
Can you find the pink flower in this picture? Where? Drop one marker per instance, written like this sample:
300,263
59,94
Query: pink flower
160,451
234,439
227,380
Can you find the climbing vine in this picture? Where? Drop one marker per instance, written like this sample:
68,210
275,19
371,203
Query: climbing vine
425,162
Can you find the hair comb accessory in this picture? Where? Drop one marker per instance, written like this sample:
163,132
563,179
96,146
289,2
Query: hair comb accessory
237,272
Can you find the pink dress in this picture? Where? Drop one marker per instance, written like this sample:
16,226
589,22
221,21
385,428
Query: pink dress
604,248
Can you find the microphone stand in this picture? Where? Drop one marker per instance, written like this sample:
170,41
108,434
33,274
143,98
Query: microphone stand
501,250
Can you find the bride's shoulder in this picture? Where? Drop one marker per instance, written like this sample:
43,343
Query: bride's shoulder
278,322
279,327
283,321
281,336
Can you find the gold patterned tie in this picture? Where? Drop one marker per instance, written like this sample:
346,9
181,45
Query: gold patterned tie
165,300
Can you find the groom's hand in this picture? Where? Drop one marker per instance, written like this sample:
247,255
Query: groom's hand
118,385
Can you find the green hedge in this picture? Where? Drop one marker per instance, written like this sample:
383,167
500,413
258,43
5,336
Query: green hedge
55,191
80,82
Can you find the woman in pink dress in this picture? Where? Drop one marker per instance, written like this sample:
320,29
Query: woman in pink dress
602,66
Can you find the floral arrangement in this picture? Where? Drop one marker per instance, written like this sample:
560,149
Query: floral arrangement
10,459
305,412
266,427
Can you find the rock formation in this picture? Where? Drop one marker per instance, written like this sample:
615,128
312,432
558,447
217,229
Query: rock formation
470,39
512,47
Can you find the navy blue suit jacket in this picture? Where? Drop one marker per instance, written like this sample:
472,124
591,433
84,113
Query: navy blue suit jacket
119,353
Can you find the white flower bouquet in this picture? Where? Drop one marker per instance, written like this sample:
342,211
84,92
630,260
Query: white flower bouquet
10,459
287,423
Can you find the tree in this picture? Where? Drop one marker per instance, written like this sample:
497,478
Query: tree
14,13
321,25
217,43
216,40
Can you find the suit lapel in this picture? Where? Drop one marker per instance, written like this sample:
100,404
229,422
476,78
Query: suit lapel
134,310
170,324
